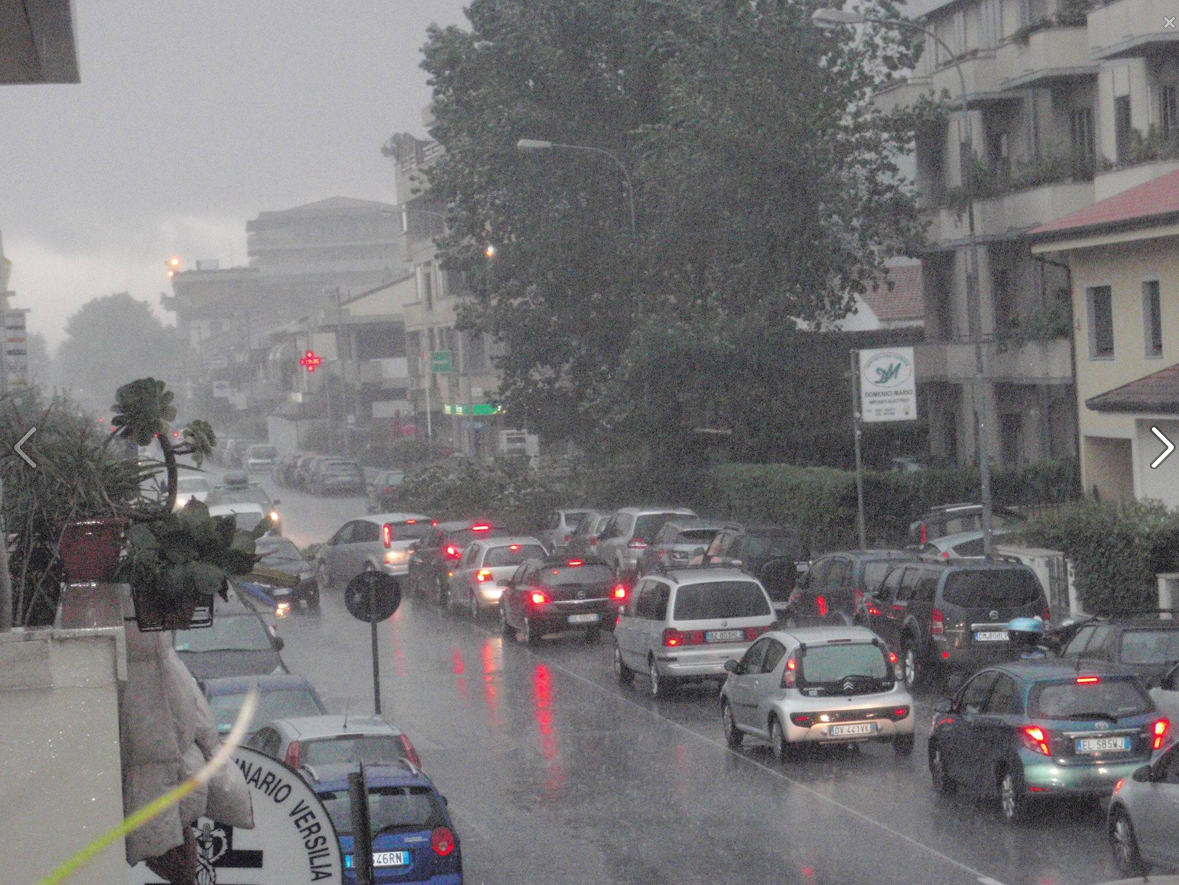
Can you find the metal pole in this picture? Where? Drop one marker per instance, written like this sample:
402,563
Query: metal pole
429,383
5,576
372,601
343,372
855,374
362,833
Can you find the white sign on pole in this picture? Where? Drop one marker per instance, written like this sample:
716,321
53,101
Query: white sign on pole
293,840
888,385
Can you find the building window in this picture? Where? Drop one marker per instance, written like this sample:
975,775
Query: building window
1011,438
1101,339
1152,319
1169,109
1003,298
1081,134
1122,128
427,285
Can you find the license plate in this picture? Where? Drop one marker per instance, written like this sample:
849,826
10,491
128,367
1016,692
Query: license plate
991,636
1103,745
584,619
857,728
382,859
724,635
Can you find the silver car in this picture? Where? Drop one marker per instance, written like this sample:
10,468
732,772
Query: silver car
560,525
1144,816
684,624
829,685
331,739
477,582
628,533
380,541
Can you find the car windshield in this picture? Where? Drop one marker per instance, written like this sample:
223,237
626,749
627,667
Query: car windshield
700,537
574,518
1147,646
279,553
590,573
367,748
836,662
247,494
648,526
762,547
390,809
512,554
993,588
262,452
463,537
717,600
272,705
1115,698
227,633
188,485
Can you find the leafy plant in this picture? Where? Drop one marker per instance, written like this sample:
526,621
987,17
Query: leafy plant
1046,323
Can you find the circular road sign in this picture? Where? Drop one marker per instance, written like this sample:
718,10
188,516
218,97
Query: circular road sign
372,596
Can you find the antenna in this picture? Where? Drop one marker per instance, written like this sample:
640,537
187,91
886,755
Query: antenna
347,708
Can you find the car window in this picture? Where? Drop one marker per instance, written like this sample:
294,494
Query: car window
565,575
840,575
890,585
699,537
926,587
227,633
1004,698
267,740
774,654
1167,767
775,546
409,530
1149,646
552,522
350,749
250,494
648,526
719,544
512,554
192,484
908,584
1171,680
1070,700
279,553
343,536
364,532
666,535
874,573
714,600
970,548
271,705
816,578
1077,644
391,809
993,588
1099,642
975,692
471,555
824,664
752,660
655,600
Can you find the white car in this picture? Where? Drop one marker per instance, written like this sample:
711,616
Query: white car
191,487
248,513
379,542
478,580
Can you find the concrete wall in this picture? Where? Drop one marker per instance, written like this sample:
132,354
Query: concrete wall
1107,465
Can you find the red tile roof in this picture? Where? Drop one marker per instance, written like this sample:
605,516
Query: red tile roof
905,301
1157,393
1147,202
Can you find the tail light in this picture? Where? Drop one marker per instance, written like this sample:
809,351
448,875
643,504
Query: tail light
453,552
388,490
873,609
790,672
751,633
673,638
387,535
897,671
803,719
574,562
897,713
480,527
937,623
292,756
637,544
924,534
483,575
1035,738
513,546
619,592
1046,614
567,538
442,841
1088,680
410,753
1159,732
593,542
537,597
821,605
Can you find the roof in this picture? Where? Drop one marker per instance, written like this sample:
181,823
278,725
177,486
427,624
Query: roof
905,300
1155,201
241,684
1157,392
705,575
1049,670
322,776
332,725
332,205
394,517
656,508
694,523
506,540
811,635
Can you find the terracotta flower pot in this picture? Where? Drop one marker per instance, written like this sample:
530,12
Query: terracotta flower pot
90,549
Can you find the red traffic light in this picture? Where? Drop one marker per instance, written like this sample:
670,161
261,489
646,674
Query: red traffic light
311,361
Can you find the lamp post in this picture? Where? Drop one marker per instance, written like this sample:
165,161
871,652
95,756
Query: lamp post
829,19
532,144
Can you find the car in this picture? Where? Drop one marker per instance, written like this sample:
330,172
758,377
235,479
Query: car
280,695
237,494
554,595
684,624
301,469
835,585
1143,817
284,468
950,519
560,525
480,575
334,739
1145,644
817,685
335,477
376,542
440,549
235,451
951,616
1166,694
260,457
247,515
381,491
280,555
677,542
1031,730
583,542
237,643
191,487
628,533
776,555
961,545
413,836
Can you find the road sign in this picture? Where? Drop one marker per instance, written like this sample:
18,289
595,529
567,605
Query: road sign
372,597
888,385
440,362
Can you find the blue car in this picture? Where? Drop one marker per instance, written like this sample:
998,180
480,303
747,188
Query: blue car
413,837
1032,730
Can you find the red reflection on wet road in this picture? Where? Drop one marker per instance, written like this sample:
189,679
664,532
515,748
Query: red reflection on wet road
542,698
488,654
459,668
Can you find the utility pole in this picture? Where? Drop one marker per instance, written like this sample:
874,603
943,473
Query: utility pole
5,576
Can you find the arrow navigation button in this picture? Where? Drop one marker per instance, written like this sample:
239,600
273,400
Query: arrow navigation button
1166,442
24,439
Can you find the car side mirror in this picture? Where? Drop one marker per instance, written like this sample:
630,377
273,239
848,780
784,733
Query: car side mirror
279,643
1143,775
733,666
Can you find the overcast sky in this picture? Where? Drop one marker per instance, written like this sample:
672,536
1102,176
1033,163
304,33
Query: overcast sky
189,120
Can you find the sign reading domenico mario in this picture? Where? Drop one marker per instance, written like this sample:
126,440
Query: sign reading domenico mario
293,840
888,385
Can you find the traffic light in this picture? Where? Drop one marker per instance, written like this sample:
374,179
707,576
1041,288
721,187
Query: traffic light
311,361
173,266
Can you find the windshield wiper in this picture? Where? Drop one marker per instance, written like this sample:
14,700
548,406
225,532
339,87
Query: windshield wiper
391,828
1106,716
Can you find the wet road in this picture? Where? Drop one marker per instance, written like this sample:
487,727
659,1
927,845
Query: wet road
555,773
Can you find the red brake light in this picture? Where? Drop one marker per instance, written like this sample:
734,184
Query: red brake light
433,522
892,657
452,552
857,596
574,562
937,623
637,544
873,610
924,534
387,534
619,591
411,522
1035,738
513,546
671,637
442,841
1160,729
538,598
900,712
410,753
1046,615
789,672
484,574
821,604
1088,680
480,527
292,756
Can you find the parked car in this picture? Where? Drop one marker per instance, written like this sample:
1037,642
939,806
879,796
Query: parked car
280,695
333,739
284,468
559,526
235,491
282,556
378,542
835,585
583,543
1146,645
775,555
235,451
684,624
962,545
336,477
677,542
238,643
1143,817
414,839
817,685
951,616
1166,694
1040,730
381,492
628,533
436,555
554,595
951,519
260,457
301,470
478,579
191,487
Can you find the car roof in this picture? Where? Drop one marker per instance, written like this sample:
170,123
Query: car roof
236,507
220,685
825,634
505,540
458,525
1055,670
693,522
382,518
647,511
962,537
338,725
575,510
334,776
563,561
875,553
683,576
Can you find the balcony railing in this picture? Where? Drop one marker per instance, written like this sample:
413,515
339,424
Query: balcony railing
1128,27
1033,362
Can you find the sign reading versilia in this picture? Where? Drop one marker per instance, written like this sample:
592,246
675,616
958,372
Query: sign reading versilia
293,840
888,385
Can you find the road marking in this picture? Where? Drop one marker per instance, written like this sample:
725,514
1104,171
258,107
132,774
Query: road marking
24,439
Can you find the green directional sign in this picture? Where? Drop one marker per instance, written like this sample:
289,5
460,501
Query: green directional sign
440,362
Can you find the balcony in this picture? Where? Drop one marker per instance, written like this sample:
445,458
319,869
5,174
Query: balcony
983,79
1047,54
903,94
1129,27
1009,215
1037,362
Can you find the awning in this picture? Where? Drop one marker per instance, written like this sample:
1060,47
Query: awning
1156,394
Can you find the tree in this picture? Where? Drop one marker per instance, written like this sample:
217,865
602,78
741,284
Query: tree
108,340
40,364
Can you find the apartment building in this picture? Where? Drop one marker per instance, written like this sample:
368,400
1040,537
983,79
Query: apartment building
1067,105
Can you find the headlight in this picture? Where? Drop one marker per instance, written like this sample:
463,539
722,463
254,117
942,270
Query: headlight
274,517
282,610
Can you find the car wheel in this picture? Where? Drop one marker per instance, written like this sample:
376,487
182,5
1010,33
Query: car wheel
473,608
322,581
778,743
660,686
733,735
505,628
1125,845
1013,802
937,772
911,664
528,635
902,745
624,673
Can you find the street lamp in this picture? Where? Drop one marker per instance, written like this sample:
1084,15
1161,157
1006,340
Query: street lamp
830,19
532,144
